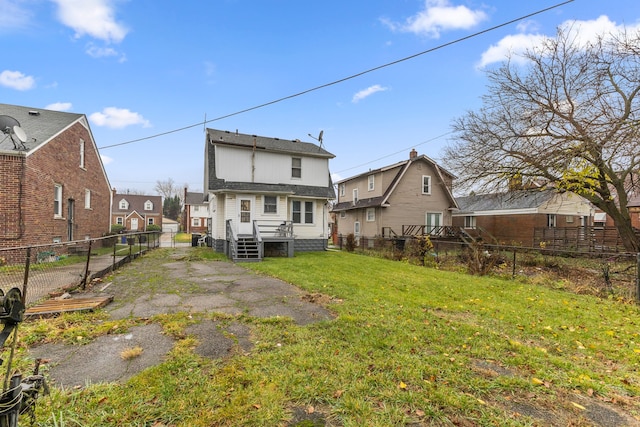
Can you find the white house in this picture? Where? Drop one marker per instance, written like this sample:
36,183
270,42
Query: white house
266,195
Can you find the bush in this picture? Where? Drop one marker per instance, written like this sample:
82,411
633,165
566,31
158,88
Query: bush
419,250
350,246
117,228
153,227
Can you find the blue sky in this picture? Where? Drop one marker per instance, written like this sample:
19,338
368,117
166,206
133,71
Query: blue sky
140,68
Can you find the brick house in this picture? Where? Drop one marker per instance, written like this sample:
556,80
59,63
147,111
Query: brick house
513,217
196,213
412,194
54,185
136,212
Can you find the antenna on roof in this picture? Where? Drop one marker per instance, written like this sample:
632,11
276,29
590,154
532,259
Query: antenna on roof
10,126
319,138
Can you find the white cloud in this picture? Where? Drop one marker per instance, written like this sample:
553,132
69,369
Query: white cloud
118,118
105,159
13,16
59,106
368,92
94,18
581,31
16,80
439,16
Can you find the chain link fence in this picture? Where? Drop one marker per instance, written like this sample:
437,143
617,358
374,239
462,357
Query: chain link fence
42,270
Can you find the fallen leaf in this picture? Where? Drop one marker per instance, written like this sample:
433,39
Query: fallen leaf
402,385
311,410
257,405
338,393
577,405
536,381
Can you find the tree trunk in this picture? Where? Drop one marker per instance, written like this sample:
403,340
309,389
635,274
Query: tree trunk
630,239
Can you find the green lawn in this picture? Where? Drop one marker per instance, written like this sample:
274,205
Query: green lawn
409,346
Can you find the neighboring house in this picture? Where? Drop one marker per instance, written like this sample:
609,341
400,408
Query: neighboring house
170,226
409,197
53,184
136,212
514,216
196,213
266,195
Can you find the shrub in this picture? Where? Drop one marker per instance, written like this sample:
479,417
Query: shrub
117,228
350,246
153,227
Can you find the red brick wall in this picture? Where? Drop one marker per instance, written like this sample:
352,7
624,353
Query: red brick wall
58,162
11,206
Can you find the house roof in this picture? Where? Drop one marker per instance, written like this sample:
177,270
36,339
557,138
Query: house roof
136,203
217,185
194,198
221,137
38,124
512,200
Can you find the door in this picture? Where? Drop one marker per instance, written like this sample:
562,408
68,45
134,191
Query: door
245,215
134,224
70,218
433,221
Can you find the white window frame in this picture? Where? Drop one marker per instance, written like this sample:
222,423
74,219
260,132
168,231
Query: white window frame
123,205
57,200
82,157
195,222
273,206
470,222
87,199
196,208
150,221
356,228
296,167
355,196
371,179
343,190
148,205
426,183
552,220
305,211
371,214
119,220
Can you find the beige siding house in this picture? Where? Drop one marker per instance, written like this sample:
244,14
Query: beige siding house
389,200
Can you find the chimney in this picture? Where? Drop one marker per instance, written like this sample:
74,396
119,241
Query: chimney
413,154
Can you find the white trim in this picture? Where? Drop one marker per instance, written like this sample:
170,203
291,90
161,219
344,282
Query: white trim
498,212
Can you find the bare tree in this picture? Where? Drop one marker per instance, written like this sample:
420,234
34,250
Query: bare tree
167,188
569,117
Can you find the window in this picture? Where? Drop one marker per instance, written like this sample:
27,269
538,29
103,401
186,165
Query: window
371,214
371,184
301,212
57,200
149,221
120,220
196,208
569,219
433,222
82,153
355,196
342,190
343,214
270,204
296,167
551,220
195,222
87,199
426,184
356,228
469,222
123,205
148,205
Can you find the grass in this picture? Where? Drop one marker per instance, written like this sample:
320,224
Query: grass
183,238
409,346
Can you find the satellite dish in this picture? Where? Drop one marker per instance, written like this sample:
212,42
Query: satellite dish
22,136
7,123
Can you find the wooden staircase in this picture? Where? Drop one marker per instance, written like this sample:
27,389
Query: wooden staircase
247,249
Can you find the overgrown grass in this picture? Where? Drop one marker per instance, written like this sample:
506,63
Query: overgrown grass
408,345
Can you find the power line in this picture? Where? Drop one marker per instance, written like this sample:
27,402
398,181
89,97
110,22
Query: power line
353,76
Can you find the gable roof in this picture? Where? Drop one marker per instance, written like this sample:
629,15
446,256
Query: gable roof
39,125
512,200
136,203
276,145
192,198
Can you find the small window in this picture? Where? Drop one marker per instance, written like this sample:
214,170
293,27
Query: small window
148,205
270,204
551,220
469,222
149,221
308,212
196,208
296,167
426,184
123,205
301,212
371,183
342,190
371,214
120,220
57,200
355,196
87,199
569,219
82,153
343,214
195,222
356,228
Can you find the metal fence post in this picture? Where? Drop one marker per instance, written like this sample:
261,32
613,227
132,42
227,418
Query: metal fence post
638,276
513,272
86,268
27,264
